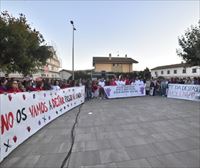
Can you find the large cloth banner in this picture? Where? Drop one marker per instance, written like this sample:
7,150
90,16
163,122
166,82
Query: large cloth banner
125,91
23,114
182,91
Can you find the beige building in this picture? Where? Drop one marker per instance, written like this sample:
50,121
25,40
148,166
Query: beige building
113,64
51,70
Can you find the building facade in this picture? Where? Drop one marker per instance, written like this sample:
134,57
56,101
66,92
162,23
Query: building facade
113,64
65,74
182,70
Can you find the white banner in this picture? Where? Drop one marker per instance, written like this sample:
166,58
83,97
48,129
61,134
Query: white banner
182,91
23,114
125,91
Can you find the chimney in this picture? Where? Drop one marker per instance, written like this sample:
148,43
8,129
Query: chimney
110,56
126,56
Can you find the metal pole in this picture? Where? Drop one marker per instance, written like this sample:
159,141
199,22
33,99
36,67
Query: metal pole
73,53
73,28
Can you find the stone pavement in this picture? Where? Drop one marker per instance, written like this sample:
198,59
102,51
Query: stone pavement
133,132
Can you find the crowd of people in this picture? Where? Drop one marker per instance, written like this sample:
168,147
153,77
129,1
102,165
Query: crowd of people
153,87
93,88
14,86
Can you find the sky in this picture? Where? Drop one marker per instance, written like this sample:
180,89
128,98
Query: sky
147,31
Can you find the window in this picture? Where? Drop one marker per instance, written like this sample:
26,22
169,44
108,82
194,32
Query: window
162,72
194,70
156,73
184,70
175,71
168,71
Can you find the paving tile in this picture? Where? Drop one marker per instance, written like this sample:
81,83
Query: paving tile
115,143
155,162
141,163
125,142
170,161
10,162
85,137
189,158
50,160
48,148
79,146
141,151
165,147
111,155
188,143
87,158
97,145
109,165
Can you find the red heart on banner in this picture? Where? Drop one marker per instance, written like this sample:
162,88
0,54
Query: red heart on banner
15,138
10,97
24,96
29,128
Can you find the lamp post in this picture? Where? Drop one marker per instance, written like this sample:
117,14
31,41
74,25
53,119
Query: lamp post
73,28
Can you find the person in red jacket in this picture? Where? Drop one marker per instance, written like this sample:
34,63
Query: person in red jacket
14,88
112,82
39,86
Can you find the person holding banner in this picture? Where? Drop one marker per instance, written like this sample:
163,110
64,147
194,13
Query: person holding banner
14,88
101,89
3,87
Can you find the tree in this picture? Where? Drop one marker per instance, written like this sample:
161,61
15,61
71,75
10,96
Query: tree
190,43
147,73
22,49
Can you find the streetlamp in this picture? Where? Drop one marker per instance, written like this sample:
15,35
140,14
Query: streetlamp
73,28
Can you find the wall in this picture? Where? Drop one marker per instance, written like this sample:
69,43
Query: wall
113,67
126,68
103,67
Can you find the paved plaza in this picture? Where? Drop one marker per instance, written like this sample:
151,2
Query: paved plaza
130,132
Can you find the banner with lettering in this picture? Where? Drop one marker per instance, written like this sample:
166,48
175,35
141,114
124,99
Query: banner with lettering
182,91
125,91
23,114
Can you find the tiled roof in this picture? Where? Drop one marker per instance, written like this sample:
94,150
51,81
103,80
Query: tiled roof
107,60
171,66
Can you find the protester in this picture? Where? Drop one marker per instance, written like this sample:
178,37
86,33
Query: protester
95,90
147,86
13,87
55,85
3,87
101,84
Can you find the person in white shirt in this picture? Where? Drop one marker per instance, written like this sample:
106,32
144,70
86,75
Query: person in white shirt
55,86
101,84
137,81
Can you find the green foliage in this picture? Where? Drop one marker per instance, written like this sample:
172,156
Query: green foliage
190,45
146,73
22,49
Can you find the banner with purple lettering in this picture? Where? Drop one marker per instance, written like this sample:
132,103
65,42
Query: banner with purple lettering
23,114
125,91
182,91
